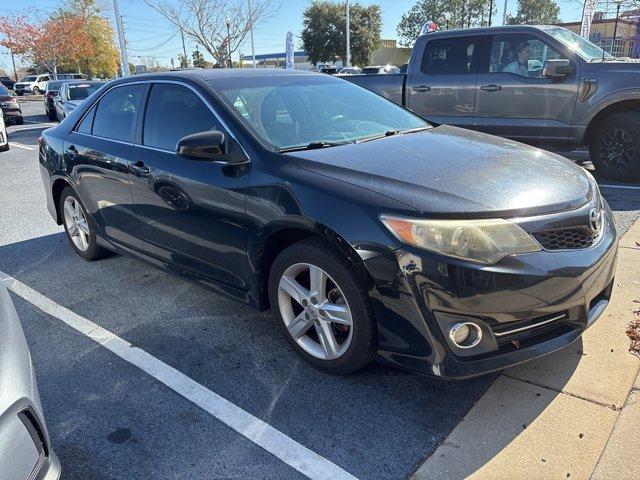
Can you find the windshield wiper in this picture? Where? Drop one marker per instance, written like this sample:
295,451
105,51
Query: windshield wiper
391,133
313,145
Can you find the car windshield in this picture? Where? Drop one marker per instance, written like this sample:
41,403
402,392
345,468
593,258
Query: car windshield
312,110
30,78
587,50
82,91
54,86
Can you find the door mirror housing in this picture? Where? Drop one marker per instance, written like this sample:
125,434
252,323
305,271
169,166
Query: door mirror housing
202,146
558,68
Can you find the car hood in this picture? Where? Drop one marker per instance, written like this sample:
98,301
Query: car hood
456,172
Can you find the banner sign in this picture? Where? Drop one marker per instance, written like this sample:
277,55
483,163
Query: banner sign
289,52
587,16
429,27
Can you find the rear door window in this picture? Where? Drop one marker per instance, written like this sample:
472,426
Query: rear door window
173,112
450,56
117,112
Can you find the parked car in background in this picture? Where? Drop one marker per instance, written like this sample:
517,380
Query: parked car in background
35,84
7,82
350,71
71,76
53,87
72,94
11,110
4,138
368,232
25,449
380,69
542,85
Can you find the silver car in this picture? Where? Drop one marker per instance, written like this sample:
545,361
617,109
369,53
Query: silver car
25,451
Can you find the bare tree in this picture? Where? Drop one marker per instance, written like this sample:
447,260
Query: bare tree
220,26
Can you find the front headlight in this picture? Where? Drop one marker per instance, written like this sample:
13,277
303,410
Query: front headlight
485,241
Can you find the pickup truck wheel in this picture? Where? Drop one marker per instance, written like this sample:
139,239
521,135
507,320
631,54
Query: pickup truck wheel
322,307
615,146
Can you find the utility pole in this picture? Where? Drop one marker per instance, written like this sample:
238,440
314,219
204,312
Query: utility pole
13,61
348,39
490,11
184,48
253,50
228,22
504,13
124,58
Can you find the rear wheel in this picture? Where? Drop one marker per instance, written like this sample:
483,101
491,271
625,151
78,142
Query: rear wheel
79,227
19,121
36,91
615,146
322,307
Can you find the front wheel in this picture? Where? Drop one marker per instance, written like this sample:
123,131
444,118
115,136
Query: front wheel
615,146
36,91
322,306
79,227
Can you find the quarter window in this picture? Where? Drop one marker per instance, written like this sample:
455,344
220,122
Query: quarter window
85,125
174,111
116,114
453,56
522,55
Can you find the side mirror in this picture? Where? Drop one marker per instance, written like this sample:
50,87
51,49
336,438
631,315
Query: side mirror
202,146
558,68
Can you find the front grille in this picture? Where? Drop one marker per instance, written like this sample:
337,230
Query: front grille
566,238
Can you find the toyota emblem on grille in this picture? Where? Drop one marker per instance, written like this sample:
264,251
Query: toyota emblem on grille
595,218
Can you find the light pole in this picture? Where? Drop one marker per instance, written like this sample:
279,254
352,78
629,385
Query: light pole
348,57
504,13
253,51
124,58
228,22
615,26
447,18
490,11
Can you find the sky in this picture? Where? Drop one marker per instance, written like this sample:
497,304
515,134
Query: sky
149,34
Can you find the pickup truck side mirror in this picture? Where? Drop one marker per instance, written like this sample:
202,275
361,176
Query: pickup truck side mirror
558,68
202,146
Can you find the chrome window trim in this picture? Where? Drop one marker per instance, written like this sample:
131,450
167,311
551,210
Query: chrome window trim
151,82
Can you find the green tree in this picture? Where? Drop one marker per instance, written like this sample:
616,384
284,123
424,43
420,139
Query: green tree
535,12
198,59
324,35
446,14
183,61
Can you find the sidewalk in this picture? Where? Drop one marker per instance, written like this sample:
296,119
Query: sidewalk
572,414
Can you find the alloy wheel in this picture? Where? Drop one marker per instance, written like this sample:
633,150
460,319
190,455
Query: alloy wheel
76,223
618,149
315,311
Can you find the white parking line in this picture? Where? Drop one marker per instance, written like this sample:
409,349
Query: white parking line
19,145
627,187
272,440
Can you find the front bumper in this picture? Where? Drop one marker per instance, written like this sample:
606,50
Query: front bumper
554,295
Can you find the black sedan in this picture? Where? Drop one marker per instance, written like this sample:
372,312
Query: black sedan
368,232
50,93
11,110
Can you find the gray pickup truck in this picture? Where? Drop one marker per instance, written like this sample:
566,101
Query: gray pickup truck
541,85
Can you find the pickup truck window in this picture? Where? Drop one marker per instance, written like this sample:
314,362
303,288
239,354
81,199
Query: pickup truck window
308,109
450,56
522,55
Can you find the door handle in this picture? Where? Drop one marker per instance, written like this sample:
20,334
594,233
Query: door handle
72,151
491,88
421,89
140,168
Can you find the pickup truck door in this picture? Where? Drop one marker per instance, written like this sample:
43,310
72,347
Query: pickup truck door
514,100
441,85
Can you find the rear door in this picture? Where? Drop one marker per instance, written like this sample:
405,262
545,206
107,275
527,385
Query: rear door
97,152
192,212
514,99
442,82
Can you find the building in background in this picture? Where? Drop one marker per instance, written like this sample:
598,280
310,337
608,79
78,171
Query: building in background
390,54
627,35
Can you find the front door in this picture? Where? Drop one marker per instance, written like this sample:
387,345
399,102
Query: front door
513,97
97,152
191,212
443,88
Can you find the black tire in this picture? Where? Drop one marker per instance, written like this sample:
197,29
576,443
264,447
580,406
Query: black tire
4,148
36,91
363,347
19,94
52,116
94,251
617,134
19,121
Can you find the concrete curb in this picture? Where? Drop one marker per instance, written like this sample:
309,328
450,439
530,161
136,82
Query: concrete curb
553,417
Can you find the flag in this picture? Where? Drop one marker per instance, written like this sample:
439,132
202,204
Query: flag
429,26
587,16
289,55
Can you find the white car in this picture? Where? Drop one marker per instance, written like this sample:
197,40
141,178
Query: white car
4,139
35,84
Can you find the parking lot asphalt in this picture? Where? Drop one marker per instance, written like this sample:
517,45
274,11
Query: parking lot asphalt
108,419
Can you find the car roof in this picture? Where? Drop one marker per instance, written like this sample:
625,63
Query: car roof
223,73
82,82
486,30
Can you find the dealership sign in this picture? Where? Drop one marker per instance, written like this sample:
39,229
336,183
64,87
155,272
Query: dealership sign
587,16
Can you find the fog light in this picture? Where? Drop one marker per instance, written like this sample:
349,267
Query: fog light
465,335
